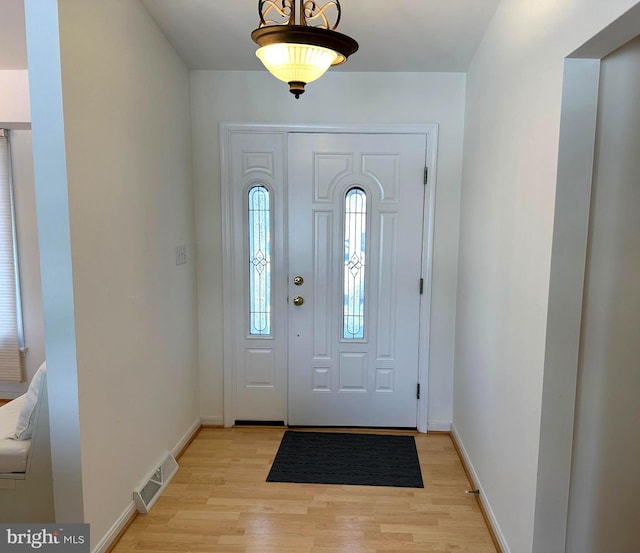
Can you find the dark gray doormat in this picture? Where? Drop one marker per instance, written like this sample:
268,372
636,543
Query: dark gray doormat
355,459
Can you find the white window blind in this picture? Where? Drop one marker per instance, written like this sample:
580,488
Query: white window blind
10,316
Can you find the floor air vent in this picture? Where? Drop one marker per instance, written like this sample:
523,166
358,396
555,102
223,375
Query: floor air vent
147,494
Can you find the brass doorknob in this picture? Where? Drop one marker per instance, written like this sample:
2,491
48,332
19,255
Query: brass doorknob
298,301
298,281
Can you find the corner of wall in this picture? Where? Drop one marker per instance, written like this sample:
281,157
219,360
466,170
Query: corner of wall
488,512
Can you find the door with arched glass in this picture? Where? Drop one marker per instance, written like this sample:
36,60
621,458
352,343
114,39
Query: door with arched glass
355,243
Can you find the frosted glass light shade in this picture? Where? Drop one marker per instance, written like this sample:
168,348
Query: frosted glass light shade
302,63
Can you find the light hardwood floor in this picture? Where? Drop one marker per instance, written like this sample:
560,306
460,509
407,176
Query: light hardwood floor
219,502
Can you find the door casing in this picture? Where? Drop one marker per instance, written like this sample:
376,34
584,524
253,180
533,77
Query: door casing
430,130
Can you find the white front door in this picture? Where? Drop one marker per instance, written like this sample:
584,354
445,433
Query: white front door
355,243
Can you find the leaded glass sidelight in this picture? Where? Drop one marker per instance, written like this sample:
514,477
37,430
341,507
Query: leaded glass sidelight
259,262
355,240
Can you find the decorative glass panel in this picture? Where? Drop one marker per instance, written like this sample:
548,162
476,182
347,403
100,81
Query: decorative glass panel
259,262
355,239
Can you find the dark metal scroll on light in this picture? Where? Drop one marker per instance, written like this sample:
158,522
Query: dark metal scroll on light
298,40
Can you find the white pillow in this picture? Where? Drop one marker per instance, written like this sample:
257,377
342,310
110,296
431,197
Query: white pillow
24,427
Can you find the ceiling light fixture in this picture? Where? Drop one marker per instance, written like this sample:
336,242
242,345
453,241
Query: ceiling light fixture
298,49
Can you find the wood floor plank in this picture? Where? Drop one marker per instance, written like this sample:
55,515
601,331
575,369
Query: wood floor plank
219,501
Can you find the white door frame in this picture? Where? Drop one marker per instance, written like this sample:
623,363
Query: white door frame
226,131
576,151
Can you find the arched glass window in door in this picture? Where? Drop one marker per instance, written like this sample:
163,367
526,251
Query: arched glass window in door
259,262
355,241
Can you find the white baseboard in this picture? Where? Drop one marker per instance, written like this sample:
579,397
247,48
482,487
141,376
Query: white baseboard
437,426
186,438
108,539
213,421
483,498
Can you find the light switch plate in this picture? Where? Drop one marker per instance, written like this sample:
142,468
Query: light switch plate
181,254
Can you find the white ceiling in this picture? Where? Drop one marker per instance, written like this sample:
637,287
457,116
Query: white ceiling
394,35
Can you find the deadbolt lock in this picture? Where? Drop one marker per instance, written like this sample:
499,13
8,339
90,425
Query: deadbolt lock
298,281
298,301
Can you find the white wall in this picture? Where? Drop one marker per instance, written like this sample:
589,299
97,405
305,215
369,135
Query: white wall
338,97
14,99
49,159
510,161
28,258
605,483
130,198
15,113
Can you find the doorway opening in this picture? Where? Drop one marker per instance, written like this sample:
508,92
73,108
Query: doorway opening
328,242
